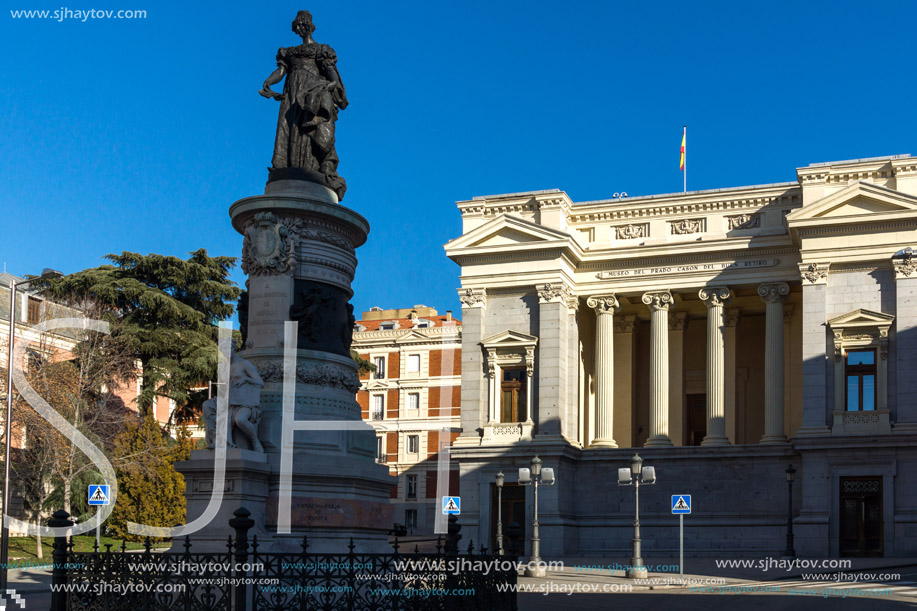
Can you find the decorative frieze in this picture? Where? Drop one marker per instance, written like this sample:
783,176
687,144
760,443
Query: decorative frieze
686,226
632,231
625,324
743,221
678,321
473,298
316,374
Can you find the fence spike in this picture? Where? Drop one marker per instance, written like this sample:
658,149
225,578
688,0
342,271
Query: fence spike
305,544
395,545
439,544
147,545
107,548
416,549
470,546
254,544
188,544
95,547
351,546
123,546
483,551
229,544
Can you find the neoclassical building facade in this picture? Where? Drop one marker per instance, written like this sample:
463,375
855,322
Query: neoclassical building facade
723,335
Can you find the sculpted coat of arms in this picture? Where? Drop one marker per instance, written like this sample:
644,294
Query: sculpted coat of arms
268,246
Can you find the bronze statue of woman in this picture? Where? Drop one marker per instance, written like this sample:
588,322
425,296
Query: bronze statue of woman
312,95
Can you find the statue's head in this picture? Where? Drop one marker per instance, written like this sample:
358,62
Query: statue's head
303,25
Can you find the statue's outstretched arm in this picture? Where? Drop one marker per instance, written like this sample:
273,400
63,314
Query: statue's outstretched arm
275,77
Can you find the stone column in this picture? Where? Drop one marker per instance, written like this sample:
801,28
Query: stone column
624,379
906,348
659,302
477,390
815,408
677,323
604,306
773,295
715,298
731,415
551,404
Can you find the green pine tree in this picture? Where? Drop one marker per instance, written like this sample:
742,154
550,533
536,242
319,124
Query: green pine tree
168,309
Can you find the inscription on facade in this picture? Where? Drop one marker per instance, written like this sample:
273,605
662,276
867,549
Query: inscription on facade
679,269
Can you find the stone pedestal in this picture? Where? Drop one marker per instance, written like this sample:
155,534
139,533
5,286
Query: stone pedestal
299,254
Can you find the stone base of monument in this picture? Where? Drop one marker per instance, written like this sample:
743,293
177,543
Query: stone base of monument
334,499
299,254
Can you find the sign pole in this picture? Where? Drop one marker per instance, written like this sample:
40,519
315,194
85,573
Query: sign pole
681,546
98,529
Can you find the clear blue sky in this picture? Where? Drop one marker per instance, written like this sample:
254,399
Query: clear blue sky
138,134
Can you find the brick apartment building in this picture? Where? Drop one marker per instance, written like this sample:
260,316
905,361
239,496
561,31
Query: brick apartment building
413,402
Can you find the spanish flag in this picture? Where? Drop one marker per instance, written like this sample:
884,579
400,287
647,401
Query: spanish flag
684,135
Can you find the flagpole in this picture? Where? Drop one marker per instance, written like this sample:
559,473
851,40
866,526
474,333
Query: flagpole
685,171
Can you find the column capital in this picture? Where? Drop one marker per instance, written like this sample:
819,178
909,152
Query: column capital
814,273
713,296
658,300
905,265
625,324
473,298
604,304
678,321
554,292
773,292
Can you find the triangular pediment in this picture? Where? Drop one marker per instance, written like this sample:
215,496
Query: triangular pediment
412,336
860,199
509,339
376,385
508,230
861,318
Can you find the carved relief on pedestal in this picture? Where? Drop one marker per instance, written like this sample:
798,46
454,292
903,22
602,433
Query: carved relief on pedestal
316,374
269,247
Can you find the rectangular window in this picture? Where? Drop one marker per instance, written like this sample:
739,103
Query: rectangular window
33,315
413,400
411,483
413,363
410,519
860,369
380,449
379,362
413,444
378,406
512,396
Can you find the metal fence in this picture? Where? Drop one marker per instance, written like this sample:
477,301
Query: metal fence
245,578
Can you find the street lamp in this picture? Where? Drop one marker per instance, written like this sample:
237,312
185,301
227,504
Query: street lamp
628,477
533,477
46,274
790,548
500,513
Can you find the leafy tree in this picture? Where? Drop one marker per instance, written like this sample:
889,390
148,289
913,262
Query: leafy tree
168,309
150,490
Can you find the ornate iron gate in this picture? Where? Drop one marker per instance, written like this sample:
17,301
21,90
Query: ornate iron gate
244,578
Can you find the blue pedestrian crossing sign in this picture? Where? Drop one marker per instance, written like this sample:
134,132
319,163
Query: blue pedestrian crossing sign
99,495
452,505
681,503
